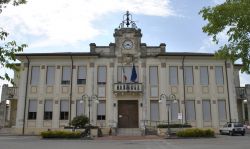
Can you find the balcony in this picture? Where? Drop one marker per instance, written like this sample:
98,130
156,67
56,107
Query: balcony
128,87
241,93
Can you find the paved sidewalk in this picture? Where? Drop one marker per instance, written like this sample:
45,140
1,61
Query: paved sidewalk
148,137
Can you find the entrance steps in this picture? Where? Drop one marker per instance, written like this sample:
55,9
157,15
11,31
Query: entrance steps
129,132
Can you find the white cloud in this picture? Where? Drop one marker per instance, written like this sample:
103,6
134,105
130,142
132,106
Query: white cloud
218,1
208,45
244,79
54,22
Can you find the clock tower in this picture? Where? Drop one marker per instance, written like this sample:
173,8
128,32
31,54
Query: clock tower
127,38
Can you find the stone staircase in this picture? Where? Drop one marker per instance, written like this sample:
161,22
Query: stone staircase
129,132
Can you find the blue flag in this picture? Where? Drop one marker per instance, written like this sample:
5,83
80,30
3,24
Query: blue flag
133,74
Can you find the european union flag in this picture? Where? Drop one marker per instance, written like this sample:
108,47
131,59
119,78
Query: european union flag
133,74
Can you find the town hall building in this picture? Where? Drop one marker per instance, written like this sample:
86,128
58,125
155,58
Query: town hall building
126,84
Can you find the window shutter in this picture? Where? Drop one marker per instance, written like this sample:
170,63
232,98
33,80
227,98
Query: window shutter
35,72
101,108
188,75
48,106
204,75
174,111
219,75
32,105
102,72
66,73
79,107
154,110
153,75
50,75
64,106
206,107
82,72
222,110
173,75
190,110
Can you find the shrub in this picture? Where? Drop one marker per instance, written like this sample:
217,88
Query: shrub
174,126
195,132
60,134
79,121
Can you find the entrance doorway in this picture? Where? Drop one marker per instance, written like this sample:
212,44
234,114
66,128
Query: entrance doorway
128,114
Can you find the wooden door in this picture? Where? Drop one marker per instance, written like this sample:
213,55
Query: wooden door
127,114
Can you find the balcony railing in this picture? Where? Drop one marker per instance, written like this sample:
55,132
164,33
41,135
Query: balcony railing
240,92
12,92
128,87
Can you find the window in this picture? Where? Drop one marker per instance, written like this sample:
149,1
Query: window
79,107
66,75
64,110
206,109
174,111
219,75
173,75
204,75
101,110
35,72
48,109
32,109
222,110
188,75
190,110
154,110
153,80
153,75
50,80
102,72
124,73
81,75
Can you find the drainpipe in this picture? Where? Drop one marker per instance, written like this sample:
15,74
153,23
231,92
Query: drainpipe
229,108
25,98
70,95
184,91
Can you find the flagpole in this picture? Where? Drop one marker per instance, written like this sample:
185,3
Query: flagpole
133,74
122,71
124,77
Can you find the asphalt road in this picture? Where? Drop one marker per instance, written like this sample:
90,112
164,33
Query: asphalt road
33,142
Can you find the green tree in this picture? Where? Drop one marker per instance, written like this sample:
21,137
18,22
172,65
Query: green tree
79,121
8,48
233,17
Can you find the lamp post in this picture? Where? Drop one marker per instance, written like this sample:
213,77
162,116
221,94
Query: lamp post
171,98
89,99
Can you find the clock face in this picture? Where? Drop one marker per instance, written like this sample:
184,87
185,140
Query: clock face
127,44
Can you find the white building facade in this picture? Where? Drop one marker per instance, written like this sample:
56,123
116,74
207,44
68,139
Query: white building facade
128,78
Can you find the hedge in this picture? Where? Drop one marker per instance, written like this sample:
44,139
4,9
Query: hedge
174,126
60,134
195,132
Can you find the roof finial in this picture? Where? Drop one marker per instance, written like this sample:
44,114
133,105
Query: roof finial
127,14
127,21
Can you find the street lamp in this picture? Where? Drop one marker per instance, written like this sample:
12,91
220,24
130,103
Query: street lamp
171,98
89,99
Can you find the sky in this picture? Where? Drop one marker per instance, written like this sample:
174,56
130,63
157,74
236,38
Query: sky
70,26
